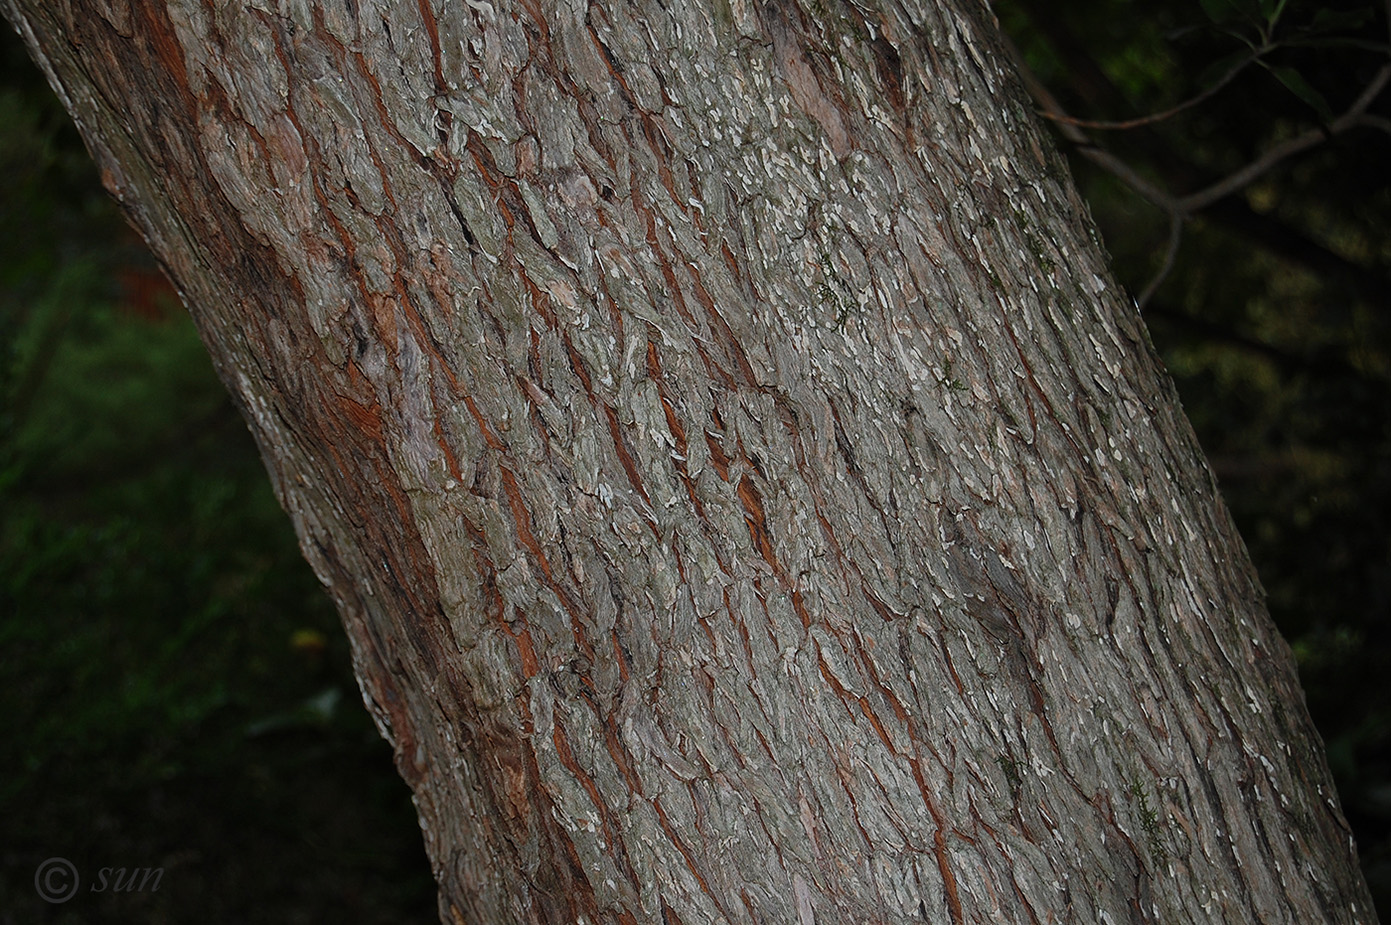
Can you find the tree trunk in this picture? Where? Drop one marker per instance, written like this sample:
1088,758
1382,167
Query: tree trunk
747,493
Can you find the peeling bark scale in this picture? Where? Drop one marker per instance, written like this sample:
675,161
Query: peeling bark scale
747,493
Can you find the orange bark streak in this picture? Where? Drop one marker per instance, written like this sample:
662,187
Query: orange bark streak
753,516
844,695
686,853
567,758
624,457
939,846
522,517
488,436
432,30
878,725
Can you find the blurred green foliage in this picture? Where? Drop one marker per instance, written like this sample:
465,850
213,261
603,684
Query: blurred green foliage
1275,320
175,687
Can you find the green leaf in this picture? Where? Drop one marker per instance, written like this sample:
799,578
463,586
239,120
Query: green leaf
1218,11
1300,88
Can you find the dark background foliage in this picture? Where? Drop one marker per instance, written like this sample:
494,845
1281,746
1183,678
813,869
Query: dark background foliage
177,693
174,686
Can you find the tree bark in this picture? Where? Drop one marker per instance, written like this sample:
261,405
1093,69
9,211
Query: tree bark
747,493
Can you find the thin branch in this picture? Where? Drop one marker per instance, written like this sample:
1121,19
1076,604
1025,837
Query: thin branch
1127,175
1179,208
1047,102
1102,125
1377,122
1303,142
1175,237
1052,109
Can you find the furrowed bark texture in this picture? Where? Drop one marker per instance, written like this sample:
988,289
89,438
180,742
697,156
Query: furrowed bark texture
747,493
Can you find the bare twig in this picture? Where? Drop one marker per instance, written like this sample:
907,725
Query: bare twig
1127,175
1102,125
1286,149
1170,254
1052,109
1179,208
1376,122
